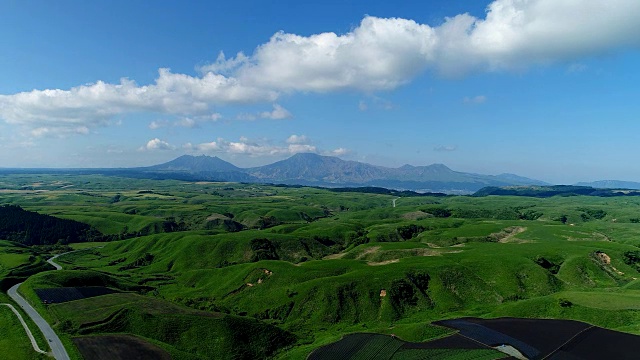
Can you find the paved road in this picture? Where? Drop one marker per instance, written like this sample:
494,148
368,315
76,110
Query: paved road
58,267
57,349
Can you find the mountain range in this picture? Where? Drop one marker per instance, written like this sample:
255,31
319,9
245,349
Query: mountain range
327,171
611,184
317,170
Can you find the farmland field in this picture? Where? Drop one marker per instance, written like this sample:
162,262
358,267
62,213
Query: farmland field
298,268
118,347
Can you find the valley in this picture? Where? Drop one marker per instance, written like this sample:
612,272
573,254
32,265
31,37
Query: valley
210,270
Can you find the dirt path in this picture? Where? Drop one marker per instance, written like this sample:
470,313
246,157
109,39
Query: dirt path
510,233
367,251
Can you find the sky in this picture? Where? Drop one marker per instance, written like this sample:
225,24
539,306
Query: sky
546,89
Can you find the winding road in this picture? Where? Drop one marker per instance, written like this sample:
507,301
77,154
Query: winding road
57,349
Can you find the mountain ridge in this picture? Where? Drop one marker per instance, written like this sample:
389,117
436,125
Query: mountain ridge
329,171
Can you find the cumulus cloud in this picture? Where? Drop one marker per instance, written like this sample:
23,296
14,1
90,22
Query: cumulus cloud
187,122
381,54
378,54
339,152
245,146
277,113
297,139
156,144
479,99
93,105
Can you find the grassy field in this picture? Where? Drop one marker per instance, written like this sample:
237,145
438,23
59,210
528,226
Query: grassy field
317,264
14,341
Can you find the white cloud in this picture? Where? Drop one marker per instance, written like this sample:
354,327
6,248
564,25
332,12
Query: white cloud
300,148
339,152
277,113
210,117
445,148
186,122
250,148
378,54
93,105
157,124
224,65
297,139
479,99
382,54
362,106
156,144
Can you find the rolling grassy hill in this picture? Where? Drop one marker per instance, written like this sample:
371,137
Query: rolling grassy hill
306,265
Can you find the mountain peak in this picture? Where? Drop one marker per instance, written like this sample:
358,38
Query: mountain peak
307,155
442,167
201,163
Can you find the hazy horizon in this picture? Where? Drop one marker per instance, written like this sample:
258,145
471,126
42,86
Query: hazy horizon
542,89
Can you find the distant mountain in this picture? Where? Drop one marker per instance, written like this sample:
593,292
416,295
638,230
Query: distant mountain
195,164
314,169
611,184
520,180
553,190
187,167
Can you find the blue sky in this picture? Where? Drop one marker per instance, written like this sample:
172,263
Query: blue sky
540,88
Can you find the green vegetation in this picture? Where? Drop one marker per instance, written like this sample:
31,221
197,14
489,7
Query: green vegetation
31,228
299,267
14,340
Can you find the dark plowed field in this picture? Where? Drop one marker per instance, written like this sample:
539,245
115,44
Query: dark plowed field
385,347
534,338
118,347
550,339
490,337
599,343
546,335
60,295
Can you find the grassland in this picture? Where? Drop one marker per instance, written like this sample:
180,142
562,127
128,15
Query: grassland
306,266
14,340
